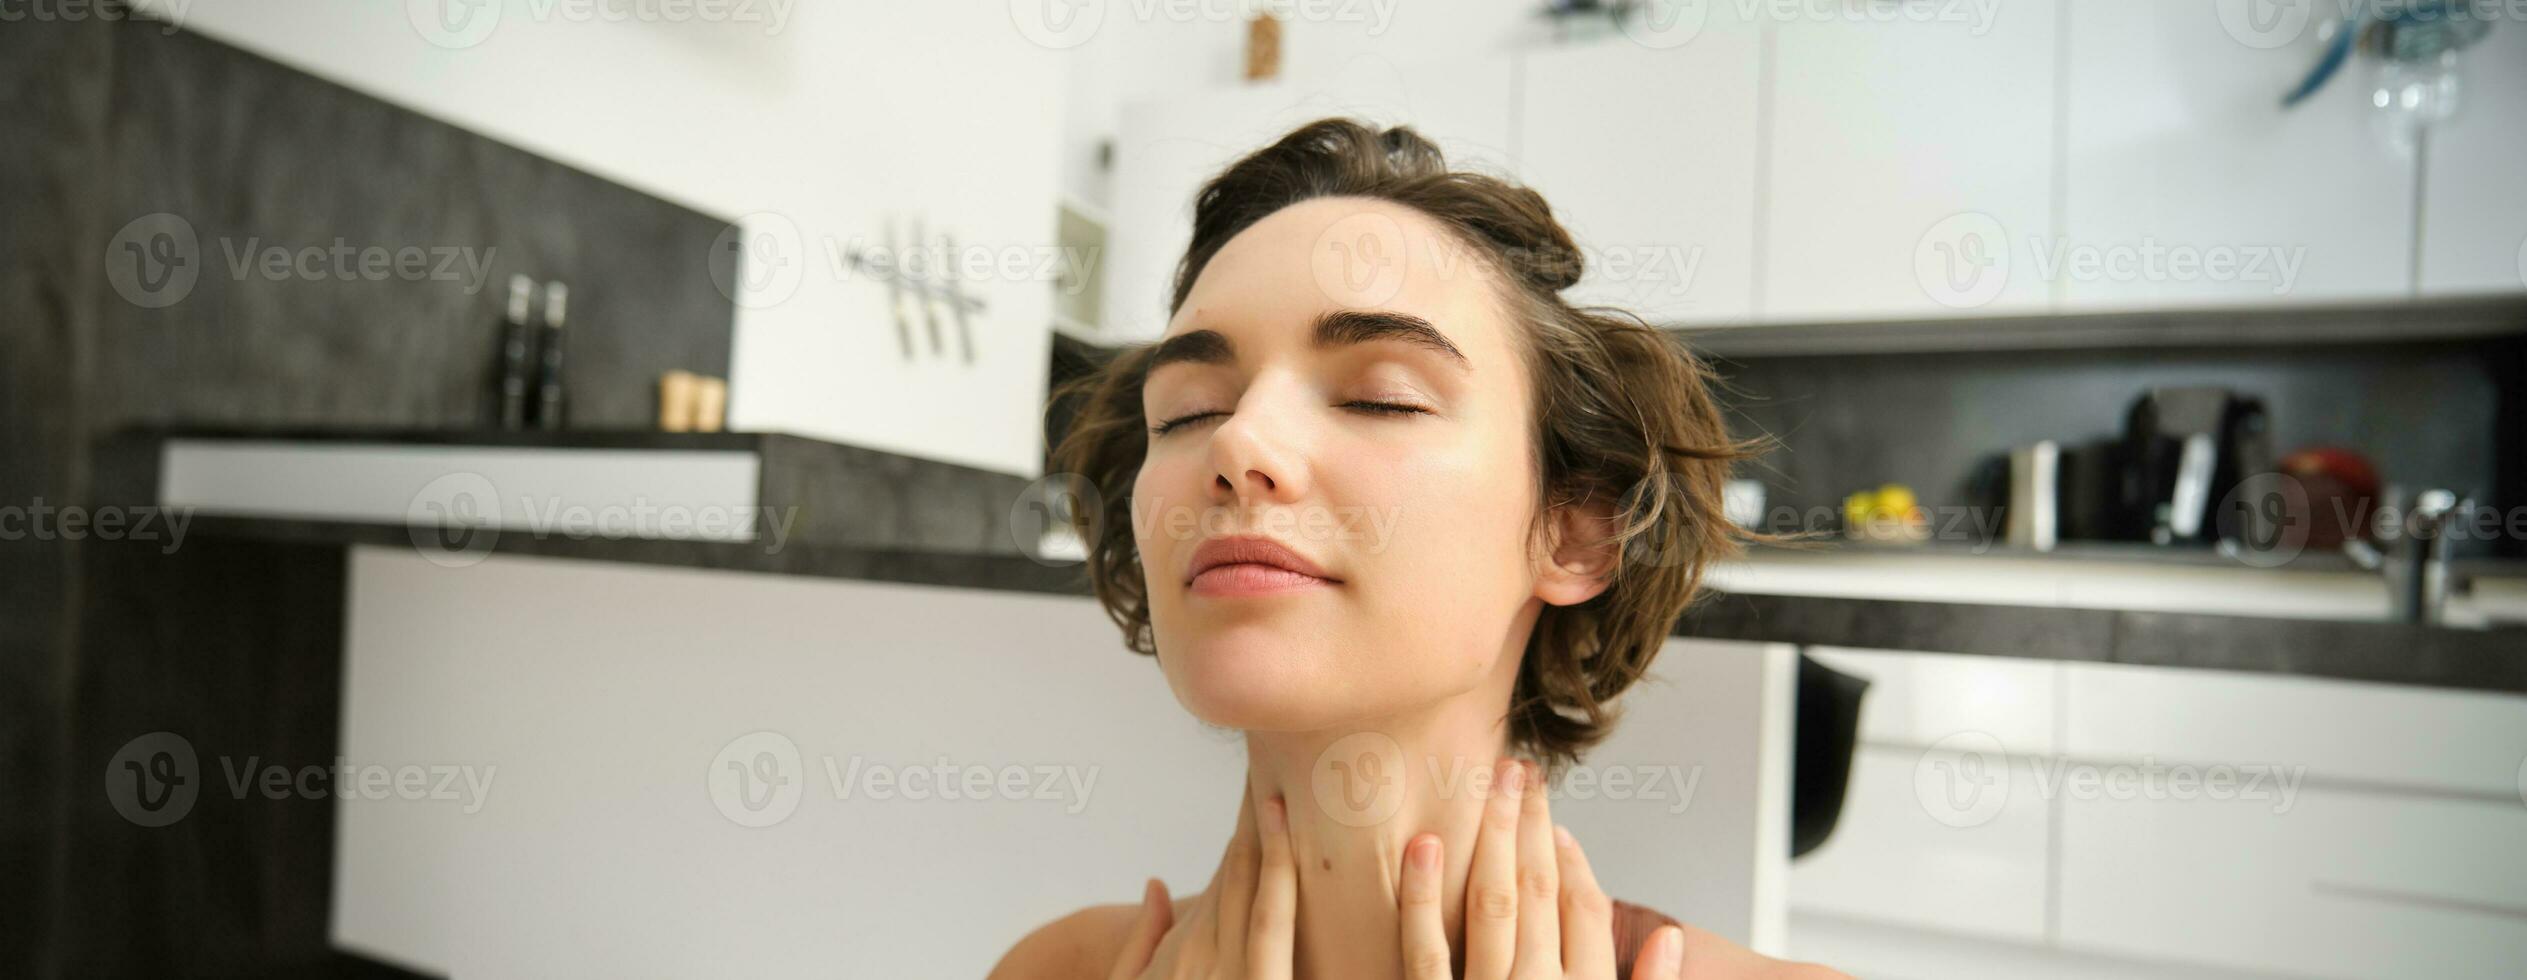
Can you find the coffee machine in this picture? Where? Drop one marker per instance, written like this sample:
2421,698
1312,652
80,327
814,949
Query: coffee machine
2183,450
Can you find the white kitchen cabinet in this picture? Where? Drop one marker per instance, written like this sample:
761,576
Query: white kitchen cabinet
2188,185
2314,827
2333,881
1167,148
2474,197
1922,699
1944,839
1939,830
2408,739
1667,223
2137,819
1910,165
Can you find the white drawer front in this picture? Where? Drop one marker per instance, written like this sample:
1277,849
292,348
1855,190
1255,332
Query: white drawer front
2393,737
2329,882
1934,840
1917,699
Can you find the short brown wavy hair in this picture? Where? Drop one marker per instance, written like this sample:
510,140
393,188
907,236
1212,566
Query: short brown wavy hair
1624,415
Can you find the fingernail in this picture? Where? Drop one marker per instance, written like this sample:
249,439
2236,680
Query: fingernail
1671,950
1424,853
1516,780
1276,815
1562,835
1149,894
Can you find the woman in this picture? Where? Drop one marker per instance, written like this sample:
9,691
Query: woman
1385,503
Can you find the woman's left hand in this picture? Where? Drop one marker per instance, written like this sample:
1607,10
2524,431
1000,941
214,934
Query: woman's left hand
1533,910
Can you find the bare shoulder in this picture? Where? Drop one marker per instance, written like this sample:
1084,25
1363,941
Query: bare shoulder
1711,957
1708,955
1078,946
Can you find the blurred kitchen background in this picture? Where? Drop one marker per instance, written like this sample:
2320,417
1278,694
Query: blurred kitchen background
524,488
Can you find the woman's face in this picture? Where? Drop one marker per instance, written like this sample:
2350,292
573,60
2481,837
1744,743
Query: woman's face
1343,381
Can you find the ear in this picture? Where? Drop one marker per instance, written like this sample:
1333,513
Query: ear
1583,553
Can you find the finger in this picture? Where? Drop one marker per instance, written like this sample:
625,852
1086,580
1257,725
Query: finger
1491,889
1539,884
1587,915
1237,885
1271,936
1158,914
1662,956
1188,945
1425,933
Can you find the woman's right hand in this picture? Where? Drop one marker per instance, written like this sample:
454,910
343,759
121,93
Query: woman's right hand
1533,909
1243,927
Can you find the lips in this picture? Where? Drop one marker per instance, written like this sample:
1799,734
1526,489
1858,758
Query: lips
1252,562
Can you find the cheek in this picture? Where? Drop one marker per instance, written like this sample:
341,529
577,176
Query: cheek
1444,535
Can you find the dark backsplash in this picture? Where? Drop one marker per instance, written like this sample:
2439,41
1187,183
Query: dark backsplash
2427,413
253,155
108,122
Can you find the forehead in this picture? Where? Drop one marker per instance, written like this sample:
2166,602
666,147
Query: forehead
1339,253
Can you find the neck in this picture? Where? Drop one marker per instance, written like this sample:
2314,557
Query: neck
1358,793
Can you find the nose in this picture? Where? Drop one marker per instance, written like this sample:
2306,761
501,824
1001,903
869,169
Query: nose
1257,454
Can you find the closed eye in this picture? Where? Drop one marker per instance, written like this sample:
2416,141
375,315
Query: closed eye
1367,407
1387,408
1171,425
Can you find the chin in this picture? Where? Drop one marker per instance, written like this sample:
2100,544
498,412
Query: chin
1253,678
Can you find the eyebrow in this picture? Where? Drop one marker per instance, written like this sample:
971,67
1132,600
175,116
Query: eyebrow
1335,328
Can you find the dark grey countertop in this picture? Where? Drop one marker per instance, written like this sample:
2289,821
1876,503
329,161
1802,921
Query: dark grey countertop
934,537
2394,653
2468,659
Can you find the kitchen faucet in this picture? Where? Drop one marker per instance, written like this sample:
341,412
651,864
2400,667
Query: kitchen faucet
2415,561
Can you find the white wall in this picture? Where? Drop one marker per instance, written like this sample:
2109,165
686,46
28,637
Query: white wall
601,699
830,115
1150,49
